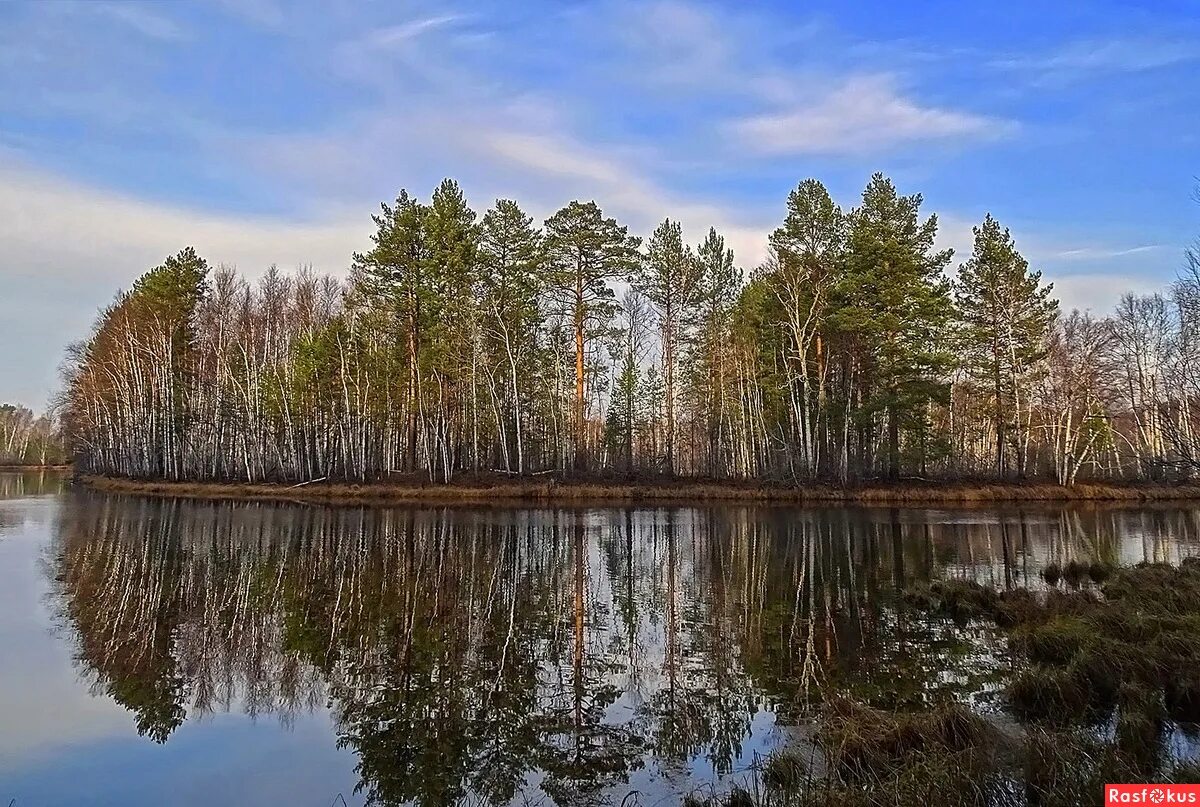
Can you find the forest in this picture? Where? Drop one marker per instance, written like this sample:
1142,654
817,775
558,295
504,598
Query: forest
462,345
27,439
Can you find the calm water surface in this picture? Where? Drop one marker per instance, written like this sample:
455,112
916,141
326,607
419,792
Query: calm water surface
171,652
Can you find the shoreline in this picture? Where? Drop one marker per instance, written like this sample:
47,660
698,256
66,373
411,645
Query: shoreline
601,492
30,468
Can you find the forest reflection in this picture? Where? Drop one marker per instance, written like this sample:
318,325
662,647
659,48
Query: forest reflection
20,484
495,654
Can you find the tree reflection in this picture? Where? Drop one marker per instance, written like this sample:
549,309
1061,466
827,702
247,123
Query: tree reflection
491,654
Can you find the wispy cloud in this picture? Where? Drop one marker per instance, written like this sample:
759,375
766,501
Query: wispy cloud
1094,58
574,170
862,114
142,18
1100,253
391,36
114,238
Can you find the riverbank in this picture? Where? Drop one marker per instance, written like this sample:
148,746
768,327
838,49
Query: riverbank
493,490
32,468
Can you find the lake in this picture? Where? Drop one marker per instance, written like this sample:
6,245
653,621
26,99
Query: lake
185,652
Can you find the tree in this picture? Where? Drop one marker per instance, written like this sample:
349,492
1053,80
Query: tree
584,251
452,239
1070,393
461,345
808,250
626,409
393,277
510,267
671,279
1006,313
895,304
709,359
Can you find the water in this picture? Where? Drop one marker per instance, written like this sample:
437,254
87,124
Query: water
171,652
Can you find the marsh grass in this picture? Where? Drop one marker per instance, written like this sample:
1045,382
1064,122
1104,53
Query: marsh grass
1132,652
948,755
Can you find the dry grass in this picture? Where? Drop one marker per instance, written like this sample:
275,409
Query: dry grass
482,490
1136,648
34,467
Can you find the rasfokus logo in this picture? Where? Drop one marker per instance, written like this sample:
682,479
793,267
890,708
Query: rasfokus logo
1151,794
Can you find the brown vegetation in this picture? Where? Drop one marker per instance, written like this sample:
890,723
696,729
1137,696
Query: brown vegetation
486,489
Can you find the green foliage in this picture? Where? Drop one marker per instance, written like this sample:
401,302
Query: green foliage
584,250
172,290
1005,317
894,305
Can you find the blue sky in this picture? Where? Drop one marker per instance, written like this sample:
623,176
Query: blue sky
263,131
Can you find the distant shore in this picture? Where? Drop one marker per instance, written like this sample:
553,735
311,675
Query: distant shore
28,468
572,492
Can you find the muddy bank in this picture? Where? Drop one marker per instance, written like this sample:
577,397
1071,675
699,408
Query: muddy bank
548,491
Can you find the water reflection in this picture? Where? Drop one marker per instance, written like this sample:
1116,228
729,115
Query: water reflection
501,655
23,484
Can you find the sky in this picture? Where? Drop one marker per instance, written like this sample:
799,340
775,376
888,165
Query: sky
267,132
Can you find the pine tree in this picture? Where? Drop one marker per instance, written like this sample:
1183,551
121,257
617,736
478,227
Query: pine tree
393,277
895,304
585,250
1006,314
452,239
510,265
671,279
626,409
809,251
708,357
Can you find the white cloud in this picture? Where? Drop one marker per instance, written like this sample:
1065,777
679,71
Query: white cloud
66,248
862,114
1100,252
142,19
393,35
580,172
70,231
1084,59
1098,292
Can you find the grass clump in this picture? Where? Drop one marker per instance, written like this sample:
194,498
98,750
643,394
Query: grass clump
1135,648
1138,734
1099,571
1074,572
958,599
1181,694
785,770
1186,773
951,755
861,742
1055,642
1050,694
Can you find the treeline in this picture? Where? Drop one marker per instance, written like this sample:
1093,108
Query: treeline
28,439
462,344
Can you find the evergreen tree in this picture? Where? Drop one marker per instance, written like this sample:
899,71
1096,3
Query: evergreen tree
1006,314
671,279
709,357
808,251
585,250
626,409
452,239
510,268
393,276
895,304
